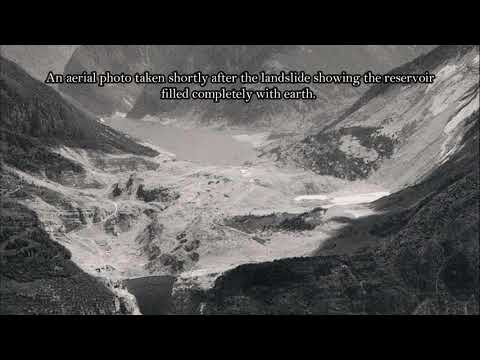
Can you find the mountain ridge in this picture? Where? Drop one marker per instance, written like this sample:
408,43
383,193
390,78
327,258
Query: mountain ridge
415,125
144,100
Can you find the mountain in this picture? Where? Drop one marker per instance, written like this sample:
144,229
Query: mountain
395,134
140,101
417,251
101,58
351,58
38,60
290,115
34,116
418,256
133,58
37,274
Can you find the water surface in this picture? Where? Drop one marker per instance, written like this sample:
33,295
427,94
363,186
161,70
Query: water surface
153,293
206,146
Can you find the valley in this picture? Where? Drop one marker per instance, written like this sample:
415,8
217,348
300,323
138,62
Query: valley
124,236
370,206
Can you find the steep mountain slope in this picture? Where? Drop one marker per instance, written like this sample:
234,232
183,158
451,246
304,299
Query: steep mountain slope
38,60
101,58
419,256
186,59
394,134
352,58
209,59
289,115
35,116
37,275
33,109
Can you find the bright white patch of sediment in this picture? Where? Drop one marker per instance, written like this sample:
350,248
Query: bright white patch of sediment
312,197
345,200
357,199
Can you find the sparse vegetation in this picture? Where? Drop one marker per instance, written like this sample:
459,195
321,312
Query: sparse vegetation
161,194
322,152
277,221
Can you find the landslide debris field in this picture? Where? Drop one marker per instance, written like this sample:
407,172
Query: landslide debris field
164,216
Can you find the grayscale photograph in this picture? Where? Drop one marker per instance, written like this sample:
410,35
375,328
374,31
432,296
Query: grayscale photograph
239,179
